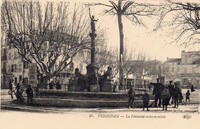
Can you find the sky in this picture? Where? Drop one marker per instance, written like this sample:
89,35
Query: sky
154,44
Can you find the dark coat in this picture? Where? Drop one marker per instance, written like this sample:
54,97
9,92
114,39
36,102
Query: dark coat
146,99
58,86
176,92
10,85
171,89
188,95
131,93
158,88
165,97
51,85
192,88
29,92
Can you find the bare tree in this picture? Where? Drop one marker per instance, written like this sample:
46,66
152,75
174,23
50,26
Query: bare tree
153,67
184,20
134,63
49,35
132,11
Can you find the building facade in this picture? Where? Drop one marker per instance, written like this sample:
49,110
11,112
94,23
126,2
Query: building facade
13,67
185,70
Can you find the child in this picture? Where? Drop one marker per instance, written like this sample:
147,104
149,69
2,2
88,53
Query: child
192,88
165,98
146,99
187,96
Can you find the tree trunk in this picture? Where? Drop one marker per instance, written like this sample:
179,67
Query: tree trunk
121,36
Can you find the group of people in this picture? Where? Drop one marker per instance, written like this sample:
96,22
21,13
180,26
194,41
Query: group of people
18,91
52,85
163,95
145,98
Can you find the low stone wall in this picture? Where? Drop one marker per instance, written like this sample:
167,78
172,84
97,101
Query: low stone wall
55,102
111,95
58,98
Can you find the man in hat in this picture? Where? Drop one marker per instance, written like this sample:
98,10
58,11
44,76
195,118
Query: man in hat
157,90
176,95
171,89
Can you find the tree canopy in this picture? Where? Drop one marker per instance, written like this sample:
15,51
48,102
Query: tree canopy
48,34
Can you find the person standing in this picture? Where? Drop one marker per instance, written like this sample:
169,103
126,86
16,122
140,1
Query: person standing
131,94
29,93
146,99
165,98
158,88
19,92
180,97
176,95
51,85
11,88
187,96
58,86
171,89
192,88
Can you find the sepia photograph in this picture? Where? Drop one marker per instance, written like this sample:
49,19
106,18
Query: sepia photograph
132,64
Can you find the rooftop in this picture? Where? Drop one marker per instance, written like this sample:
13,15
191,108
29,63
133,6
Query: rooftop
173,60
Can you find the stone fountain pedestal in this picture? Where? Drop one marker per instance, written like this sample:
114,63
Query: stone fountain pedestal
92,79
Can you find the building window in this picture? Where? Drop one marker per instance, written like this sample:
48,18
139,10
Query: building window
20,78
167,69
27,47
14,68
4,51
186,61
197,81
172,69
178,69
185,70
193,70
9,69
4,65
25,80
15,55
25,65
19,69
9,56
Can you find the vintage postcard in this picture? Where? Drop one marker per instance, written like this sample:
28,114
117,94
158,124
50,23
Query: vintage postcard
100,64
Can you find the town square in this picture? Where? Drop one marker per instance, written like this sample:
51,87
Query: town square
117,56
